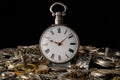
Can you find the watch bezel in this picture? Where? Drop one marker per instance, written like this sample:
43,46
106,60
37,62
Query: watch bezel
54,25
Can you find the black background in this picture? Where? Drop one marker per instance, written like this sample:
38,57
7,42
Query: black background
22,22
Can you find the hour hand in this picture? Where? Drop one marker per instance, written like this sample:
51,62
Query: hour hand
58,43
53,41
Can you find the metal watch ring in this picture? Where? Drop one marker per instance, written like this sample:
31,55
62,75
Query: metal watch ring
32,70
57,3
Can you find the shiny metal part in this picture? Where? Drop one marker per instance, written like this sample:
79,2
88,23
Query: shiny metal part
58,18
2,68
28,76
58,3
104,62
72,76
10,59
83,60
96,73
104,72
42,69
50,75
6,75
57,68
91,49
58,15
117,55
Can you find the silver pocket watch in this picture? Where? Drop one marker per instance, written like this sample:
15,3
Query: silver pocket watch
59,43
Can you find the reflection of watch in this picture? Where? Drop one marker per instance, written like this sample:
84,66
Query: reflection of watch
59,43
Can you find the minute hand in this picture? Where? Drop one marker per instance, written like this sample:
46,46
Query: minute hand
64,39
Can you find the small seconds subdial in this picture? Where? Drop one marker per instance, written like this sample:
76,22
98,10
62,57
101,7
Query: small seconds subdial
59,44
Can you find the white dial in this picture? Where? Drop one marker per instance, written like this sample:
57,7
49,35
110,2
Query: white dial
59,44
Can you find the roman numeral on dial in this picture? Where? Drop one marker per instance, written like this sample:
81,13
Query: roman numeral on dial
65,32
72,43
71,50
47,51
59,30
52,32
66,55
59,57
52,56
70,36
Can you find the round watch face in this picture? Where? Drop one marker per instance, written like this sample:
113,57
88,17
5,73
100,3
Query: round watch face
59,44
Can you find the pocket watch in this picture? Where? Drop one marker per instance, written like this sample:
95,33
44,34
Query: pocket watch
59,43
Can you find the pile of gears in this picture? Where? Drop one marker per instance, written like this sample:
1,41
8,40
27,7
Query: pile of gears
90,63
